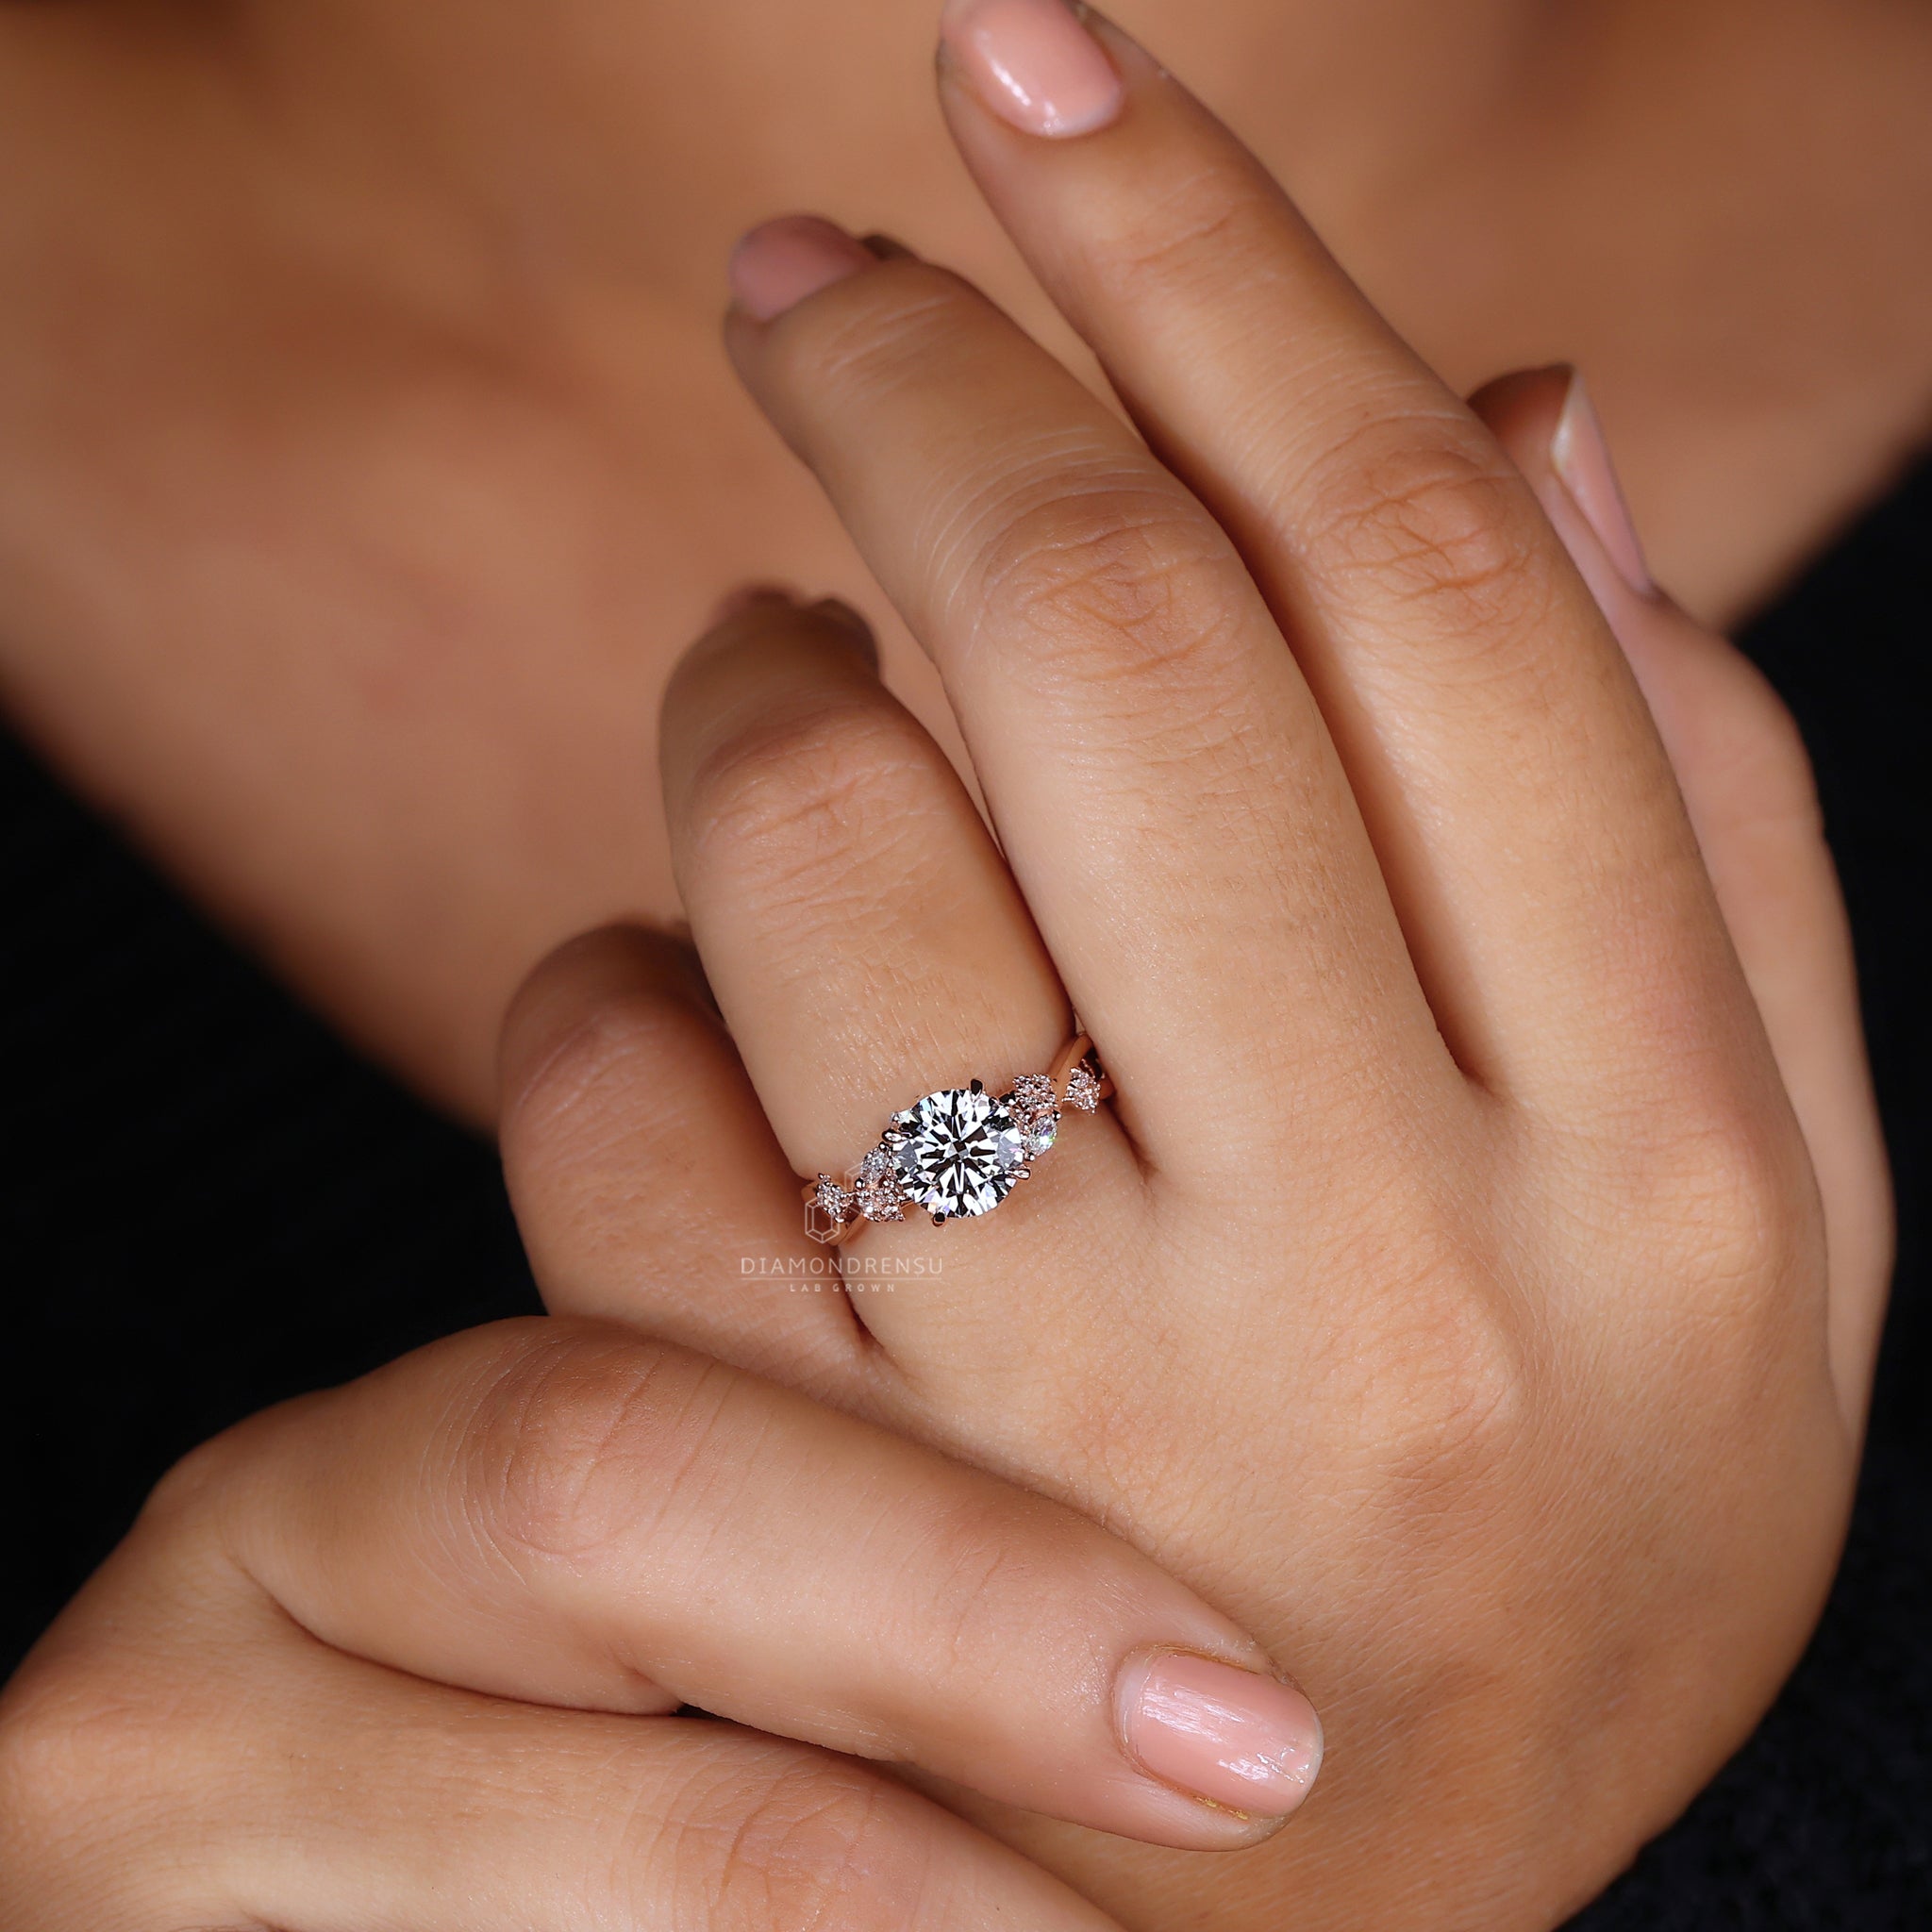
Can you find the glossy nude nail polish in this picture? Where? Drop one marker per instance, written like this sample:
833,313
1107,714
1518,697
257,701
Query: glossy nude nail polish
780,262
1243,1741
1033,64
1580,454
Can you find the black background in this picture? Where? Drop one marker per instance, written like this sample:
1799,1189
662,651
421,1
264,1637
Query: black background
207,1204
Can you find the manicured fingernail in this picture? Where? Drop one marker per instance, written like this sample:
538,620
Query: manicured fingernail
779,263
1581,458
1033,63
1237,1739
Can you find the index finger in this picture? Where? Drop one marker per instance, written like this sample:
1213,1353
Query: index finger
563,1514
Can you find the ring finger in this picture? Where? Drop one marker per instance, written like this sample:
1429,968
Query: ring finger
860,928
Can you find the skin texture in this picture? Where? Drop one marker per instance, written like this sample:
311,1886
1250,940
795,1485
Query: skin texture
1452,1293
413,1651
1472,1290
366,456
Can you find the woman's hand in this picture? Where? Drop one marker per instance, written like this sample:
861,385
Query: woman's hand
408,1653
1474,1289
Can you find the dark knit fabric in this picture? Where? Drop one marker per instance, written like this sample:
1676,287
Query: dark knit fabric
207,1204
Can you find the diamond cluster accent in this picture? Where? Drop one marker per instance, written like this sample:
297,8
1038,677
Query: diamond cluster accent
1036,1111
829,1210
876,1186
1083,1087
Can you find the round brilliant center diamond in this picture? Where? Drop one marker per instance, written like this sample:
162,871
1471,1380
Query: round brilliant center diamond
958,1152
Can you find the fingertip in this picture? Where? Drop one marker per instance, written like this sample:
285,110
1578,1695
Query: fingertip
1549,428
784,261
1035,64
1521,410
1240,1742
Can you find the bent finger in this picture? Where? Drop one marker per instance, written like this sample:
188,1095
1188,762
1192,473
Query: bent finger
647,1184
1520,808
563,1514
1746,782
251,1775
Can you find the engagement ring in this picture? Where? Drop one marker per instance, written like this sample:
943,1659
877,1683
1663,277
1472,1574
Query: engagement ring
959,1150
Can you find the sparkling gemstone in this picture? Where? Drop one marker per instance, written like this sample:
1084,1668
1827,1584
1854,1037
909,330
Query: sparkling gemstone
958,1152
1032,1093
1035,1112
830,1207
1083,1087
875,1188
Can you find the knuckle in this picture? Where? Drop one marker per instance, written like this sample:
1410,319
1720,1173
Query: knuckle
201,1477
978,1557
574,1436
1189,232
586,1091
1730,1320
1714,1211
1734,1195
808,1843
48,1773
895,320
1435,517
1454,1399
1134,579
1443,1401
789,797
74,1737
121,1783
200,1493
